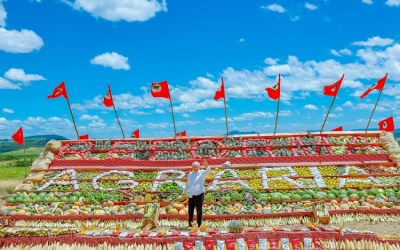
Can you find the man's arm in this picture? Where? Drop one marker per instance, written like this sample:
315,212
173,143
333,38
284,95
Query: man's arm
187,185
208,169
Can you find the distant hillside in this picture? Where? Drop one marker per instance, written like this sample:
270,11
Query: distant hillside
36,141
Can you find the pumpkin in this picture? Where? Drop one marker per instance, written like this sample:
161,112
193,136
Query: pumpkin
182,212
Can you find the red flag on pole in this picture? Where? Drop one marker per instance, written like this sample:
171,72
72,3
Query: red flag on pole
160,89
378,85
135,134
333,89
84,137
60,90
182,133
338,129
275,91
18,137
108,100
220,93
387,124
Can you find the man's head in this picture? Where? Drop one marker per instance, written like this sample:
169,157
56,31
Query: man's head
195,166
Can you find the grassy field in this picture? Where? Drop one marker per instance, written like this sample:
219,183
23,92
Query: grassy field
28,151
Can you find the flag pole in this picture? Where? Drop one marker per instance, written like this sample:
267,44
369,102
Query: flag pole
326,117
73,119
226,117
26,173
277,115
369,121
173,117
116,114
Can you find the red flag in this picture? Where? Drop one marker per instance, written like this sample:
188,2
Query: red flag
338,129
183,133
387,124
60,90
333,89
84,137
108,100
160,89
220,93
275,91
18,136
378,85
135,134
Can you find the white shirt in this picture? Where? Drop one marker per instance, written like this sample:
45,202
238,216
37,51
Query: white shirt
195,182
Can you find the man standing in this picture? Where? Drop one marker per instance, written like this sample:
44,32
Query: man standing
195,189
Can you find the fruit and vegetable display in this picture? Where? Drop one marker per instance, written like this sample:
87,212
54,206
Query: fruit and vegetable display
90,193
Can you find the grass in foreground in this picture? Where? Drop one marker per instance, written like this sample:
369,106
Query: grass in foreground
13,173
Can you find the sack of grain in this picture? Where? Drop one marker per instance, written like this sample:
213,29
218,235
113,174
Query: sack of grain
24,188
34,177
53,145
41,164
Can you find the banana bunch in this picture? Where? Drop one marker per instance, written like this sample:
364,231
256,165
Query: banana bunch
356,245
45,223
322,210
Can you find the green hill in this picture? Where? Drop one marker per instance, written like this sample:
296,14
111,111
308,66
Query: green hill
36,141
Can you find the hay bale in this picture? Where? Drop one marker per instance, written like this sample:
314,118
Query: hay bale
41,164
46,155
53,145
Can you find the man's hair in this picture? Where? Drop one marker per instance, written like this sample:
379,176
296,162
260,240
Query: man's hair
196,163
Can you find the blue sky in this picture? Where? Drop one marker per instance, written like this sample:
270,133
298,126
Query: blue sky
130,43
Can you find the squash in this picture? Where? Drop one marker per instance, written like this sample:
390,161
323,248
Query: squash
147,197
178,206
78,204
172,211
182,212
74,212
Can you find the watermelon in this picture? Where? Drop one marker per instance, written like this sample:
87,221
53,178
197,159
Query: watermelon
38,199
46,199
32,195
64,199
296,197
274,197
10,199
19,199
42,194
77,194
285,197
343,196
354,196
363,193
320,195
73,198
306,197
55,199
330,195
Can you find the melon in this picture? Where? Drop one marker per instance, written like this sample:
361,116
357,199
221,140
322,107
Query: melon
172,211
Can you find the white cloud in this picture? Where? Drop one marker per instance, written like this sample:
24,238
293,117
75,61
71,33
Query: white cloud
112,60
348,104
393,3
3,15
8,111
310,6
185,115
121,10
89,117
294,18
241,40
19,75
342,52
375,41
367,1
274,7
6,84
159,111
270,61
157,125
24,41
338,109
98,123
310,107
252,115
185,123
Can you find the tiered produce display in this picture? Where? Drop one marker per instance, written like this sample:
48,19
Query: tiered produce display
128,193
